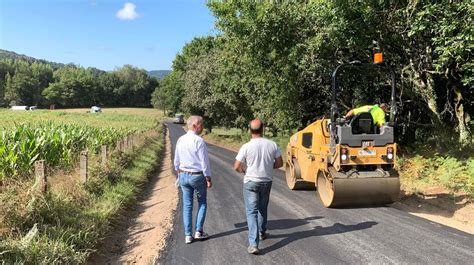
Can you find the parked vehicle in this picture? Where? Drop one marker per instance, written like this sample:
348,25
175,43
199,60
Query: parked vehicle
95,109
178,118
20,108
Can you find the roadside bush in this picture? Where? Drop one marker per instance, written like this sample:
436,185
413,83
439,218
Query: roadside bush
454,174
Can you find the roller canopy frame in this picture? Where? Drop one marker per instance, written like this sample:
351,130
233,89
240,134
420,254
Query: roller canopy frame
335,89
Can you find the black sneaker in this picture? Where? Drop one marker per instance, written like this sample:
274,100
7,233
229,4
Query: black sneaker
262,236
252,250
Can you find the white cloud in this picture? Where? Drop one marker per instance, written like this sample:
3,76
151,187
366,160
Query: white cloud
127,12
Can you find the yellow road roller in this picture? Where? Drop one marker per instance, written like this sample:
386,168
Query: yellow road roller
351,163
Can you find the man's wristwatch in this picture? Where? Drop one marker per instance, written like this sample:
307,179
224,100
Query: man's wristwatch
208,178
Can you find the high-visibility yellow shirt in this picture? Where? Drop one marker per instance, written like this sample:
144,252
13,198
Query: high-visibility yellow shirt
377,113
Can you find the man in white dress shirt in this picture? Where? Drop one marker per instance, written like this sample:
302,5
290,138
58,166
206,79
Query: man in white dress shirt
257,159
191,161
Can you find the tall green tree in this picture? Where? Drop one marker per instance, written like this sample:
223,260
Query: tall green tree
73,87
440,49
21,88
169,94
286,51
172,88
135,87
43,74
107,85
5,68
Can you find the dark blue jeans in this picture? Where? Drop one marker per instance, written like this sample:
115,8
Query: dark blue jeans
256,196
189,184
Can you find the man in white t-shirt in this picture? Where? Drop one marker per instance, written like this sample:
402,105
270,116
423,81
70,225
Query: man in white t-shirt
257,159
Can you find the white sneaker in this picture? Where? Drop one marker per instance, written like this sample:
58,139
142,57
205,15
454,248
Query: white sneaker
188,239
252,250
200,235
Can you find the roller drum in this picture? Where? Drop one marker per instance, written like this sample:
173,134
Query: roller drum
368,188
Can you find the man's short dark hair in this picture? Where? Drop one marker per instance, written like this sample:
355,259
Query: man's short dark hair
258,130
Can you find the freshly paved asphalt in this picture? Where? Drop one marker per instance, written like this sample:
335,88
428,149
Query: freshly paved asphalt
302,231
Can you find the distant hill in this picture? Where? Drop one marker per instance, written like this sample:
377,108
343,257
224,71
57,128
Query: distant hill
4,54
159,74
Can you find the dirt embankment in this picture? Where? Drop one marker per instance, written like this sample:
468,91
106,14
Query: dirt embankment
440,207
435,205
139,236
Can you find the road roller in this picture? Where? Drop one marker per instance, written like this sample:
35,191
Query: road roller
350,162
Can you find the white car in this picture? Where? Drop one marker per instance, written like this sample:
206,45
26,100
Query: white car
95,109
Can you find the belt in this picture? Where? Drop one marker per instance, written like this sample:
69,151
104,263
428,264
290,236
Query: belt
191,173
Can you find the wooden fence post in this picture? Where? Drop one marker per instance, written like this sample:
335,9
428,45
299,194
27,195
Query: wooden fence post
125,143
118,146
104,155
129,141
137,142
40,173
83,167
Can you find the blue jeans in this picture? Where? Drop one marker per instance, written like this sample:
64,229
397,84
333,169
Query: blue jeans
256,196
189,184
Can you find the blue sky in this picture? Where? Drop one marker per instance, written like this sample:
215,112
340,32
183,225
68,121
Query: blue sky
103,33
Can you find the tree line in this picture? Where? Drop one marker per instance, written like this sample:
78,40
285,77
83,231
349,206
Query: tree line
35,83
273,60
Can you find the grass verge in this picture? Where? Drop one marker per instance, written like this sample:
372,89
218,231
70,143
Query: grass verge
437,173
65,224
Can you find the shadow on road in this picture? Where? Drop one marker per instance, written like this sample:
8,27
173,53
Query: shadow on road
283,223
228,233
272,225
337,228
288,238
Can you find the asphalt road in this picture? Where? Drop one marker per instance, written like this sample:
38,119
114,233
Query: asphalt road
302,231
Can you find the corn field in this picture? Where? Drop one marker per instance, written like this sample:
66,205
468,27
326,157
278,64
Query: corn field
57,144
59,141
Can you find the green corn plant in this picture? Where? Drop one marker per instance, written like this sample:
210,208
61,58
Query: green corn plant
58,137
56,143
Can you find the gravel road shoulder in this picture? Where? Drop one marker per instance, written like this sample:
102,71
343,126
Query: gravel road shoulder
140,235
